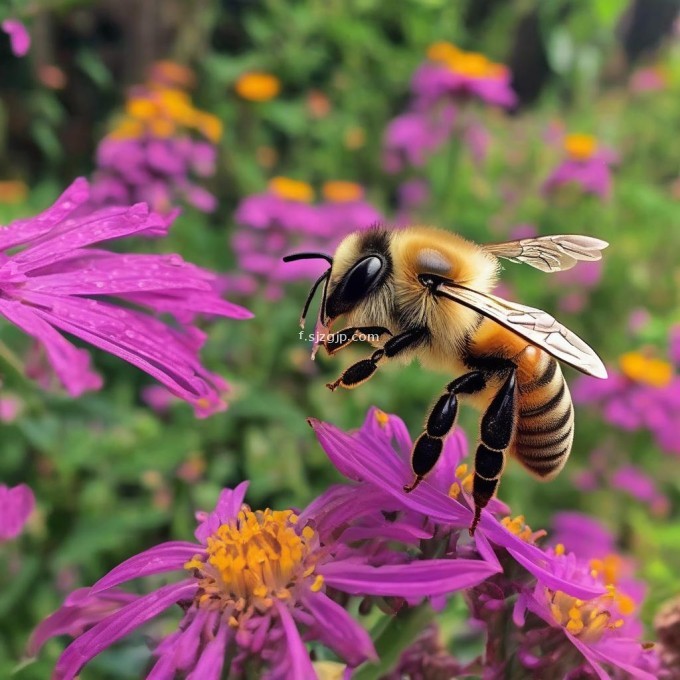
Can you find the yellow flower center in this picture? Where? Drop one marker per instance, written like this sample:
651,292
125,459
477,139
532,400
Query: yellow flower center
470,64
588,620
162,111
580,147
465,484
291,189
382,418
518,527
253,560
257,87
442,51
342,192
646,370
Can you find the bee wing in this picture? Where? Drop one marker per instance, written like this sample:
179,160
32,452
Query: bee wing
550,253
535,325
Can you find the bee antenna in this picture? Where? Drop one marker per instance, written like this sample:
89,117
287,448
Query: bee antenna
308,301
308,256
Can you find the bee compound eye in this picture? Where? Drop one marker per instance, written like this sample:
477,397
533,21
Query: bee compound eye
362,277
359,281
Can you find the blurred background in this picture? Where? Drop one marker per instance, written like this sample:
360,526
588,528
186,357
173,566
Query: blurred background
297,122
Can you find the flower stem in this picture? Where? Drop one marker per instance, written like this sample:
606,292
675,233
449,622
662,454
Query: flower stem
393,639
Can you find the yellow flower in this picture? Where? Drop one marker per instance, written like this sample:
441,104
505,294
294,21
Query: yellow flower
646,370
470,64
580,147
442,51
292,189
257,86
342,192
208,125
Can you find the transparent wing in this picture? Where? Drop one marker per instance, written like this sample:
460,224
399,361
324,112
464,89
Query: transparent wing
550,253
536,326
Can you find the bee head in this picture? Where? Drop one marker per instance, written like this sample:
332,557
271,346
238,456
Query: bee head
361,265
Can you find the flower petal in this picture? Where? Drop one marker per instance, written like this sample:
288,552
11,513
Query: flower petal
25,230
211,661
72,365
338,630
415,579
16,505
382,468
300,664
80,610
227,508
162,558
118,625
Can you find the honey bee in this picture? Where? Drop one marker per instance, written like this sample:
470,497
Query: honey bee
425,293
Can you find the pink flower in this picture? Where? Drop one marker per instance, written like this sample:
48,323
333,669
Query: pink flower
253,581
16,506
414,136
586,165
19,38
52,281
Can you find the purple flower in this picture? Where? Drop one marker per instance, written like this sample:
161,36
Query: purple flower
377,455
414,136
452,72
154,171
16,506
284,219
674,345
19,38
586,165
636,482
52,281
258,582
600,634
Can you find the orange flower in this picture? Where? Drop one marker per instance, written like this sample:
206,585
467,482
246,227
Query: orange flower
342,192
579,146
257,86
171,73
292,189
642,369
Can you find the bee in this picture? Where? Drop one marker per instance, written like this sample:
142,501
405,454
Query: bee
425,294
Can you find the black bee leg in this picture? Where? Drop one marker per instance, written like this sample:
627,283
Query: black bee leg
358,373
440,422
498,426
334,342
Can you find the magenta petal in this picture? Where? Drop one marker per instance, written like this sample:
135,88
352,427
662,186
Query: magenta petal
102,225
226,510
211,661
16,505
80,610
549,579
300,665
416,579
165,557
18,36
617,660
25,230
118,625
72,365
373,465
338,630
141,340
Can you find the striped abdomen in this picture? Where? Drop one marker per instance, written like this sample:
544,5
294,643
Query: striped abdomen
545,427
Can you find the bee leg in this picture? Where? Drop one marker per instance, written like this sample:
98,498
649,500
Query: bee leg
498,426
337,341
358,373
440,422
